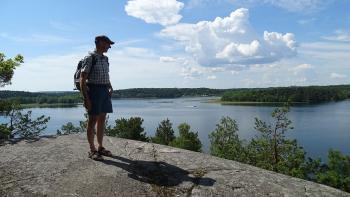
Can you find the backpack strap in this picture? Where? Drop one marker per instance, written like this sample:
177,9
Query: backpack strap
93,63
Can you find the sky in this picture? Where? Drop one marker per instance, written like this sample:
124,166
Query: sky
180,43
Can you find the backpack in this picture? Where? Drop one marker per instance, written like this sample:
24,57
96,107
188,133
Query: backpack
78,71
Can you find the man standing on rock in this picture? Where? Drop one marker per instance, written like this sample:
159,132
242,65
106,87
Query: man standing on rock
97,91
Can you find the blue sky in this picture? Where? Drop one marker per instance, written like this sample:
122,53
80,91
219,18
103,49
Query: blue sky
174,43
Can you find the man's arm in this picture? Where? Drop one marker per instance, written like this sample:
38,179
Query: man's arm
83,88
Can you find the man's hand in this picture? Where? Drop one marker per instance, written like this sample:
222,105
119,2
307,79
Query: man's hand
87,104
110,91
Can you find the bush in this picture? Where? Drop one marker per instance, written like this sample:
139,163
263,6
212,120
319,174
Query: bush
69,128
5,132
272,151
21,125
129,129
225,142
188,139
24,127
337,172
164,134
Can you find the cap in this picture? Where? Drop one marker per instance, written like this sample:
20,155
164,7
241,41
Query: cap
103,38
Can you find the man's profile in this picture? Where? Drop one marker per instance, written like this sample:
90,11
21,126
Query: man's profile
97,91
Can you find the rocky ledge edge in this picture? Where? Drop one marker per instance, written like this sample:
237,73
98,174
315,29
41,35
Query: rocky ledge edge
59,166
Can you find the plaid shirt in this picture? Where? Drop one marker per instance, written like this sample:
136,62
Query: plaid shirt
100,71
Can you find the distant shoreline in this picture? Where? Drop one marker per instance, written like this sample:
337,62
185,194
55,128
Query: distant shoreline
218,101
240,96
247,102
49,105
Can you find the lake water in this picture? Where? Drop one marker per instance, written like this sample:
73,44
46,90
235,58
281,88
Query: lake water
316,127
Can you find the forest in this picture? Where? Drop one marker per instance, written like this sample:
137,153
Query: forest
71,97
307,94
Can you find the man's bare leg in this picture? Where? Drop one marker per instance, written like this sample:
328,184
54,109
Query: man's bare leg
100,128
90,131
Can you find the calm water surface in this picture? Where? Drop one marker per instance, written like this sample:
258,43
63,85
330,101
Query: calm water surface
316,127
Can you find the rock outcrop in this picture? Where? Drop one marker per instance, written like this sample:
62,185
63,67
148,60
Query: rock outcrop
59,166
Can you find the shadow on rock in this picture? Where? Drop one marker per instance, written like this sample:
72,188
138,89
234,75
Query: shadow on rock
28,140
158,172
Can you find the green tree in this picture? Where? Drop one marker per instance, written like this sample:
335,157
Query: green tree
271,150
224,141
69,128
188,139
24,127
5,132
21,124
6,106
108,127
129,129
7,67
165,133
83,123
337,172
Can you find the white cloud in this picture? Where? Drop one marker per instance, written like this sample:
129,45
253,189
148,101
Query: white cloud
199,72
286,73
130,67
167,59
301,68
191,72
211,77
231,49
217,69
303,73
231,41
326,51
164,12
337,76
233,72
325,46
339,35
47,72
